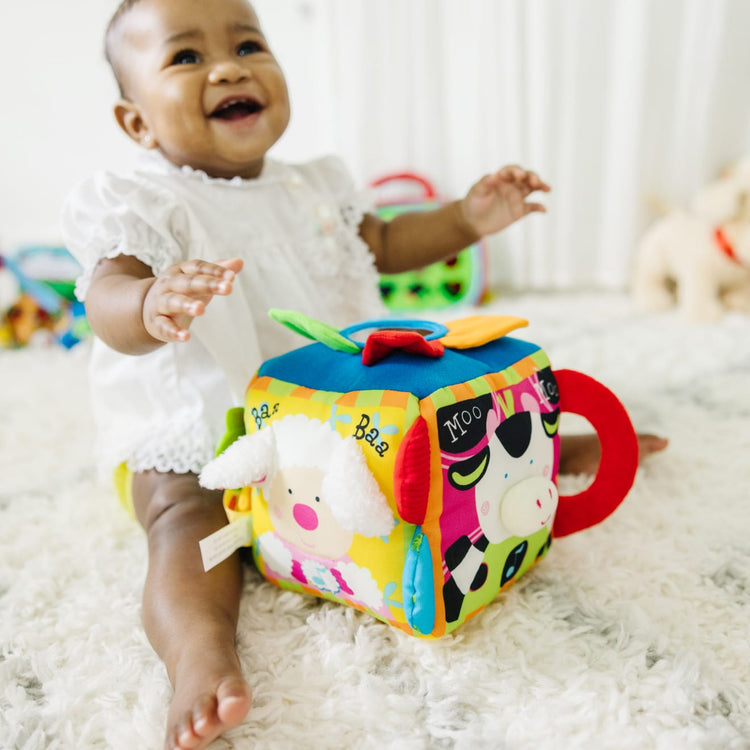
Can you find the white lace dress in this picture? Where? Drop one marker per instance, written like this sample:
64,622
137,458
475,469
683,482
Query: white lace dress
295,227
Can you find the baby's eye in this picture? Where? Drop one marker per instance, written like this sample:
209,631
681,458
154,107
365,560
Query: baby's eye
249,48
186,57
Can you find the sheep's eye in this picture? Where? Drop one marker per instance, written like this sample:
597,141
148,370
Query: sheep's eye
317,499
289,490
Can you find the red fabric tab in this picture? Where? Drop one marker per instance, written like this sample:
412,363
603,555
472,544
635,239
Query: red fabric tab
382,343
411,474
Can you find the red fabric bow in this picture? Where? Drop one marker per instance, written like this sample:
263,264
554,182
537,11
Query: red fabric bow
382,343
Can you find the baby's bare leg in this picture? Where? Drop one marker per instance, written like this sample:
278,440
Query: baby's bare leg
580,454
190,616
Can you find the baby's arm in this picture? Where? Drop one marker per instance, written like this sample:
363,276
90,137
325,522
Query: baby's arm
416,239
135,312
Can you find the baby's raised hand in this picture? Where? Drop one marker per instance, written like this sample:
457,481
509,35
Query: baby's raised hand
499,199
181,293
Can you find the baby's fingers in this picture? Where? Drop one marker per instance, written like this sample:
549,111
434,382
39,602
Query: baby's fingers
167,316
181,293
205,277
164,328
520,176
535,182
535,208
233,264
511,173
200,284
180,304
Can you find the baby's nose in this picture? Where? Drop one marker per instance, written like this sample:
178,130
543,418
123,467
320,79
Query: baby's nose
228,71
305,516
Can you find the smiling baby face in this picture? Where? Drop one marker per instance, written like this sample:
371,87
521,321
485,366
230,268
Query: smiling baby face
199,83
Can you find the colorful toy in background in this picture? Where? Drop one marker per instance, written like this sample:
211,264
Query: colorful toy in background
698,257
439,285
37,300
408,468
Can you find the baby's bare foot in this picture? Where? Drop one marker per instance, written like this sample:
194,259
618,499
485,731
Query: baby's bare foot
209,698
580,454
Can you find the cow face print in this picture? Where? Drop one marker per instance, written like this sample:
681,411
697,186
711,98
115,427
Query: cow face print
522,449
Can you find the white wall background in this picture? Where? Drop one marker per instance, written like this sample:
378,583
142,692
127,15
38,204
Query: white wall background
612,101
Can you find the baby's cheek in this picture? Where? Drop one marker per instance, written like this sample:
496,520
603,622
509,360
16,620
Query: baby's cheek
484,509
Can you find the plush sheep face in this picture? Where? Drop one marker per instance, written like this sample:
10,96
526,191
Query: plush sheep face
301,515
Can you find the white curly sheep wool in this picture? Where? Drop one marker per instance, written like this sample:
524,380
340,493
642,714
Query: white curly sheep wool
348,486
630,635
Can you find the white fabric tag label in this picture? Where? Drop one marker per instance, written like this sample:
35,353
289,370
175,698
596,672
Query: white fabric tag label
218,546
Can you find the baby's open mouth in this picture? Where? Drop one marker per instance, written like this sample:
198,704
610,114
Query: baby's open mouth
236,108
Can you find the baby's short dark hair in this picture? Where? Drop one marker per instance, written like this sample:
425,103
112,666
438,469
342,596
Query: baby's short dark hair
109,46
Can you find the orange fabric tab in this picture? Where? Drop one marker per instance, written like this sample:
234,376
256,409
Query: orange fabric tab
467,333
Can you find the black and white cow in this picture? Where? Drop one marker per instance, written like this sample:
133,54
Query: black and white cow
515,496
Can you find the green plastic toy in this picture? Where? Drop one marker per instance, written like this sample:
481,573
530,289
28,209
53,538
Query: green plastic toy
461,279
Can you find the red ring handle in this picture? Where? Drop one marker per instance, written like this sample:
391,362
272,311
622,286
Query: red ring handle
429,190
582,395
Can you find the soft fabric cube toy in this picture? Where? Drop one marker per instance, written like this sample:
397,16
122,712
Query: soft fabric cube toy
408,468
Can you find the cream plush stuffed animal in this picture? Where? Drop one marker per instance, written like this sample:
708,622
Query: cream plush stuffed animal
700,258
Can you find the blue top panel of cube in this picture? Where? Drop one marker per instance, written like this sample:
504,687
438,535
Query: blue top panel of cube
318,367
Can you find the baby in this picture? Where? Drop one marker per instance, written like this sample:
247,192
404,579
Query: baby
205,214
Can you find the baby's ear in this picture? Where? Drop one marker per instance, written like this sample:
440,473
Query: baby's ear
353,494
130,119
249,460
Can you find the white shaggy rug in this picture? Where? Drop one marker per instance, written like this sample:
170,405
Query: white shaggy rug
634,634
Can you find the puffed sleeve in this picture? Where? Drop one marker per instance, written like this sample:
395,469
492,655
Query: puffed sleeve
353,202
109,215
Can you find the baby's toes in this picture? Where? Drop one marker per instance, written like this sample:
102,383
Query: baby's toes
183,736
233,698
205,718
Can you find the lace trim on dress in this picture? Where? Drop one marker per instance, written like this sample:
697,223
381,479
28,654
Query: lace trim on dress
180,449
361,261
268,173
354,208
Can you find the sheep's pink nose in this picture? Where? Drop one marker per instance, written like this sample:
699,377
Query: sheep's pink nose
305,516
